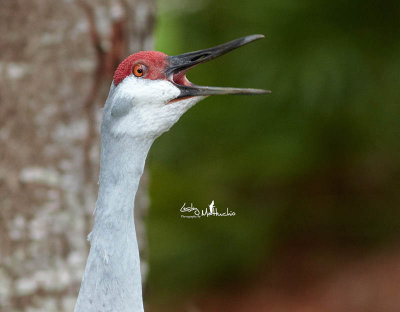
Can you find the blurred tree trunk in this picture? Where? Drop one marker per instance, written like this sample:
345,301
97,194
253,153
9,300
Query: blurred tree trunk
56,68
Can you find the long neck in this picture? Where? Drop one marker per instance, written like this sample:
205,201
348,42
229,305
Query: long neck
112,280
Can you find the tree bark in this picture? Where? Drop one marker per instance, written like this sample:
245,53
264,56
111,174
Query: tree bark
56,67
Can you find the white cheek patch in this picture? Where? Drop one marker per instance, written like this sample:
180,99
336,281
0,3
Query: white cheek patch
145,91
140,107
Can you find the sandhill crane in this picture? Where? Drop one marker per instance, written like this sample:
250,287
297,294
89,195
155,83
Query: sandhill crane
149,93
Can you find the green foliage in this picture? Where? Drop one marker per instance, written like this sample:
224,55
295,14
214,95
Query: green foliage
319,157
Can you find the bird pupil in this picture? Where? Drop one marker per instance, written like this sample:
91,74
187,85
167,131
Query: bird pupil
140,70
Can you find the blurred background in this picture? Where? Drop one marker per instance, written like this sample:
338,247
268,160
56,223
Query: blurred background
312,171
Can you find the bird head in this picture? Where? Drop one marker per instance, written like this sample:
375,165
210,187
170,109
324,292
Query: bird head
150,90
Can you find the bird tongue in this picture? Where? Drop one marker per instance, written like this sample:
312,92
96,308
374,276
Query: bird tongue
179,64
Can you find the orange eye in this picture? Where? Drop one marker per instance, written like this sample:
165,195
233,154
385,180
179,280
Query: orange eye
139,70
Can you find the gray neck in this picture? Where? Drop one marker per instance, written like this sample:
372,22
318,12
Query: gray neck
112,280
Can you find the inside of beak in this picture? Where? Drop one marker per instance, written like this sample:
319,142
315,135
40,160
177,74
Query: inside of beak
179,78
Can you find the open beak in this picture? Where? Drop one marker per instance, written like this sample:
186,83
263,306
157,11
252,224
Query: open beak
179,64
